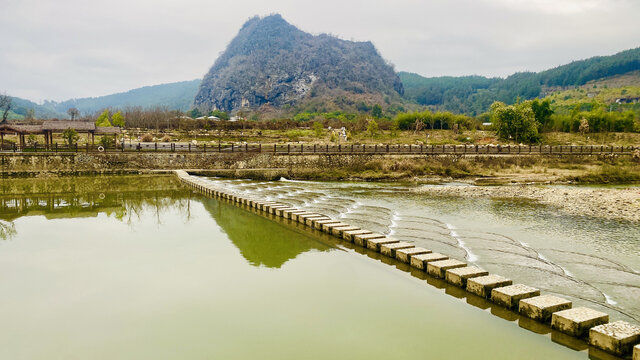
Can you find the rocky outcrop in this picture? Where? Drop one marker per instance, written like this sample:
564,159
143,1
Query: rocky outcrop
272,62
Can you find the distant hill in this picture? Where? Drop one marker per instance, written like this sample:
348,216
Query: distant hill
20,107
178,95
272,63
474,94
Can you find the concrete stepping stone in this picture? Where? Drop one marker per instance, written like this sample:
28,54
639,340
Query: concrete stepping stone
459,276
483,285
361,239
300,217
281,211
577,321
311,220
318,224
510,296
338,231
329,227
420,261
292,214
405,255
272,208
390,249
439,268
349,235
541,307
617,338
376,244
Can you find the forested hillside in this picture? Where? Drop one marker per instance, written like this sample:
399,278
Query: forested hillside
474,94
177,95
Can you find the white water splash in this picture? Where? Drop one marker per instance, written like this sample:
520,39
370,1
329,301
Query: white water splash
394,218
609,300
350,209
470,255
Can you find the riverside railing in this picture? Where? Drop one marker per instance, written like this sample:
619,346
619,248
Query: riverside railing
296,149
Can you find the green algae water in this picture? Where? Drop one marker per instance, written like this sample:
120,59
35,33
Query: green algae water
142,268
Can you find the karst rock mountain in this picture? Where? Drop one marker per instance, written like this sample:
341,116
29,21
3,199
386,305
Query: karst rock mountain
272,62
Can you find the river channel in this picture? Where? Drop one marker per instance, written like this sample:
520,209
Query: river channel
142,268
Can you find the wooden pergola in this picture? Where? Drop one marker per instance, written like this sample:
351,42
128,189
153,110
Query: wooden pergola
49,127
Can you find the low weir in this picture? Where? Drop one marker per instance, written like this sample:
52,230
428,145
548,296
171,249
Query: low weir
618,338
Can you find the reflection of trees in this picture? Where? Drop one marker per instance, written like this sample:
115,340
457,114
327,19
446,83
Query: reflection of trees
126,198
261,241
7,230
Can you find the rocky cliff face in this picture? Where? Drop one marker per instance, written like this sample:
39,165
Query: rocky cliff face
272,62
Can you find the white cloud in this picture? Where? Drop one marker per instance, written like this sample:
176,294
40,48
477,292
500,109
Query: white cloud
76,48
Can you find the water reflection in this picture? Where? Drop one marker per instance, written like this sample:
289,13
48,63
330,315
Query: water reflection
261,241
125,198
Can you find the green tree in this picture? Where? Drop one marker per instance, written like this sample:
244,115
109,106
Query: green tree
372,128
376,111
542,111
318,129
70,136
195,113
117,119
515,122
103,119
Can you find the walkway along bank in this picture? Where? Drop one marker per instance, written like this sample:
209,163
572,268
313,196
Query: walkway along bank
618,338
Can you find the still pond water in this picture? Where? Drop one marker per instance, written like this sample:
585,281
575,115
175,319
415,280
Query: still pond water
141,268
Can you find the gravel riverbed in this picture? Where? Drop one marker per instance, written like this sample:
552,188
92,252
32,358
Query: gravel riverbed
611,203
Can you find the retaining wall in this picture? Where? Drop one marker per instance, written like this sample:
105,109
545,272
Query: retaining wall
233,164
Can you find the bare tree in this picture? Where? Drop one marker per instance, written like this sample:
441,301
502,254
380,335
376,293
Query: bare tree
5,106
73,112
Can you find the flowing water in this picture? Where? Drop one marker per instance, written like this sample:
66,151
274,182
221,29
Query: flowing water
593,262
142,268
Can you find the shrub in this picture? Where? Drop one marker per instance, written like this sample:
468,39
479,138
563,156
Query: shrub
146,137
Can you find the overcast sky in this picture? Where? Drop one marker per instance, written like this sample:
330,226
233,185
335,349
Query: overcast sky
77,48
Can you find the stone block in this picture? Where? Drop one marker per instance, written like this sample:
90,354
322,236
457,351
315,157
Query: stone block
510,296
483,285
329,227
273,209
390,248
459,276
577,321
361,239
349,235
299,217
375,244
292,214
541,307
617,338
420,261
309,221
280,211
318,224
438,268
405,255
636,352
337,231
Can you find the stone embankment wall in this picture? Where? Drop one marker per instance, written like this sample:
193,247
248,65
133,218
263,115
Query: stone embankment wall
252,165
232,164
617,338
